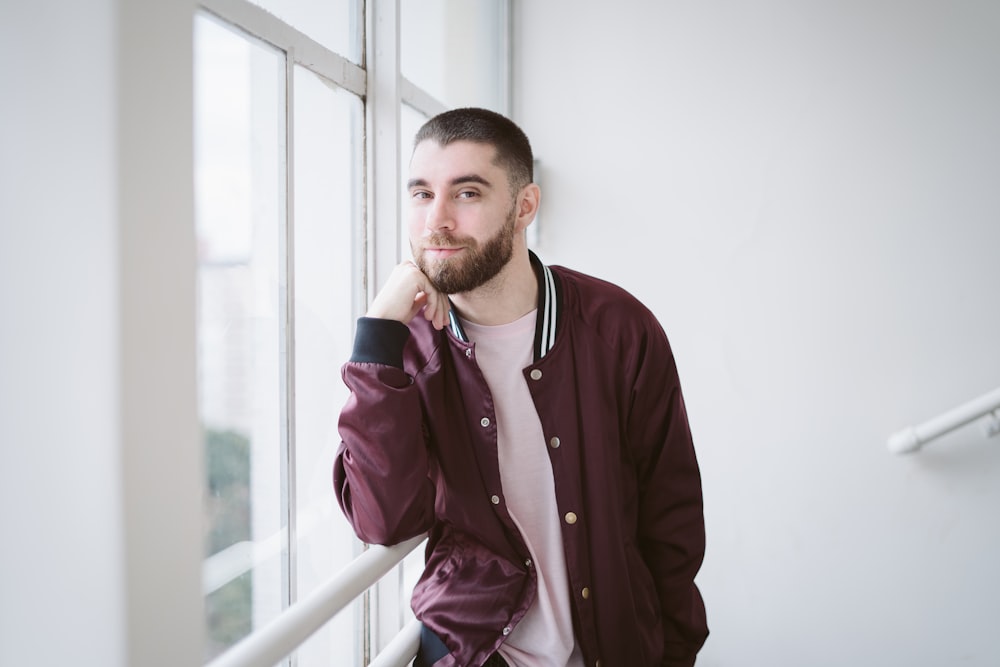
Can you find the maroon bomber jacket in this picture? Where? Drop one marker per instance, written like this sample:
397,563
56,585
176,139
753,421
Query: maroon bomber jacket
419,454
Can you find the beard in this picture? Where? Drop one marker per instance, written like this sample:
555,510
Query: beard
472,268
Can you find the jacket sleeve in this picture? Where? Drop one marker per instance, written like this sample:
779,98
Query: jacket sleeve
380,474
671,523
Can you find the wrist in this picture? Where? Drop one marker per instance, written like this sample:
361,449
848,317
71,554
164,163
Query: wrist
380,340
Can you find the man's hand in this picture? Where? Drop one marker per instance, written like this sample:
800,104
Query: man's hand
405,293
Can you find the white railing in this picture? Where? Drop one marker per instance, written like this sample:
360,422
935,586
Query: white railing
401,649
273,642
912,438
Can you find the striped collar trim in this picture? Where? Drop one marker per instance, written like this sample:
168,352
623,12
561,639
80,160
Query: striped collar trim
548,310
456,326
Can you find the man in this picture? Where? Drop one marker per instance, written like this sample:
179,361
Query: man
528,418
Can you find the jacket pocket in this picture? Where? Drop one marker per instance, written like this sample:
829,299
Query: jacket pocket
467,594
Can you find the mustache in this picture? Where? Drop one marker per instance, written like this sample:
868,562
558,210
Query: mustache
439,240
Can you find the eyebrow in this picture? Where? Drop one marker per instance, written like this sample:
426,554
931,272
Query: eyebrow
460,180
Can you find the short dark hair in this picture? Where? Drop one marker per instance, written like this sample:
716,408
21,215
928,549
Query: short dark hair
485,127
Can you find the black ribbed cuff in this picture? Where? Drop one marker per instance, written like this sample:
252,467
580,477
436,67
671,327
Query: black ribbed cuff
379,341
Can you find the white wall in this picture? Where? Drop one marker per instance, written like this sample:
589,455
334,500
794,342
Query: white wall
60,492
807,196
100,492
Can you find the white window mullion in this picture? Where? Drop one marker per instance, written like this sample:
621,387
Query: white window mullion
382,117
286,292
419,99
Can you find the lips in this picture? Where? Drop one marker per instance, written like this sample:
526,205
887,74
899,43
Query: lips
441,252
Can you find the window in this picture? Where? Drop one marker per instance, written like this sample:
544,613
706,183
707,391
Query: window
456,50
239,219
283,144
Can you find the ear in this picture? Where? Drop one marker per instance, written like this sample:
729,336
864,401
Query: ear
527,205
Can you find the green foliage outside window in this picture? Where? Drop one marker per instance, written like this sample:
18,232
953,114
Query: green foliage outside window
227,499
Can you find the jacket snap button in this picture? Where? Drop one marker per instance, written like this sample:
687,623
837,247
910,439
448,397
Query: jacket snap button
554,443
585,593
536,374
485,421
570,518
506,631
495,500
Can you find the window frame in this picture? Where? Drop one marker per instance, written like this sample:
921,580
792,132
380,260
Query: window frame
382,88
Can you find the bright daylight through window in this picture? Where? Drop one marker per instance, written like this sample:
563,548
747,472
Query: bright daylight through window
284,259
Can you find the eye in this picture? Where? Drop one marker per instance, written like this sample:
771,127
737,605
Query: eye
420,194
468,194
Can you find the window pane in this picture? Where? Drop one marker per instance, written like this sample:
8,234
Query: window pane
238,144
410,121
454,49
328,168
336,24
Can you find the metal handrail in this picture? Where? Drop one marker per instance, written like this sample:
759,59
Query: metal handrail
401,649
910,439
277,639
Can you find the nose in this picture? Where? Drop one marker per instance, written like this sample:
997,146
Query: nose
439,215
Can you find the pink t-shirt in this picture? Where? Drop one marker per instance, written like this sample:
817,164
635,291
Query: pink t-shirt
544,637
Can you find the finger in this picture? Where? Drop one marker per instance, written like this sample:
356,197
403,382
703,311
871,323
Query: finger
429,306
445,311
419,301
436,311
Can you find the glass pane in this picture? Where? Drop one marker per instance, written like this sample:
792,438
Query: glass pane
454,50
328,168
336,24
238,149
410,121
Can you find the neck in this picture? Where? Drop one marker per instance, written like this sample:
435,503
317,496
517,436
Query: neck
510,295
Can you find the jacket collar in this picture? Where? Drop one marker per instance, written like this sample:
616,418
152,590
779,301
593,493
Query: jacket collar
548,310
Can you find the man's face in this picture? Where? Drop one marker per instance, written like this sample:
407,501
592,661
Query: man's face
462,216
